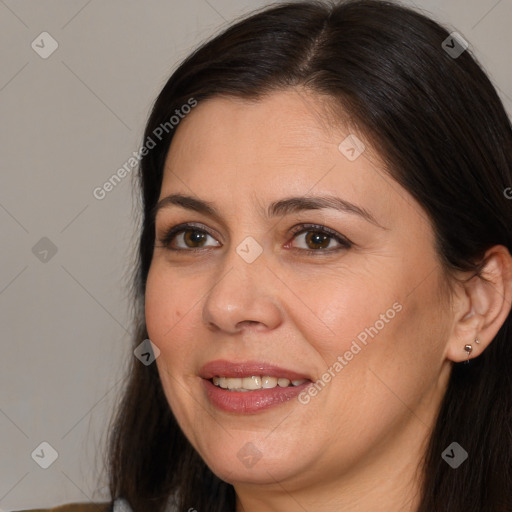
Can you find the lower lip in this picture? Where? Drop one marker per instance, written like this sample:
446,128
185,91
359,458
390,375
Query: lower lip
246,402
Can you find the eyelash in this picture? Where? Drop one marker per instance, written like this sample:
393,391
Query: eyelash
344,242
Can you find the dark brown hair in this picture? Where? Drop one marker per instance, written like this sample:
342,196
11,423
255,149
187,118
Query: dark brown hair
443,133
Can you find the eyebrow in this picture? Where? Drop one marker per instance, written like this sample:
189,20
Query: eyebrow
275,209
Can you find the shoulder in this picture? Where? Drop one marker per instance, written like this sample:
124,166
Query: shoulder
119,505
76,507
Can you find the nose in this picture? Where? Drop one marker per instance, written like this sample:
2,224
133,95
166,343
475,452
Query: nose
245,296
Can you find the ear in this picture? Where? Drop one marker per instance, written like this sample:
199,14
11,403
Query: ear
481,306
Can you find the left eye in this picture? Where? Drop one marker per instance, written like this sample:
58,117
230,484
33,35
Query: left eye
319,237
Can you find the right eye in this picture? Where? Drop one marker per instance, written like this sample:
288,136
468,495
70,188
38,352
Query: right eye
186,237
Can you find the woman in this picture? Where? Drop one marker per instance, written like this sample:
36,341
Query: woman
324,274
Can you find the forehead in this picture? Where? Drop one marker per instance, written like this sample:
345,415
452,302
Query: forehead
231,150
283,124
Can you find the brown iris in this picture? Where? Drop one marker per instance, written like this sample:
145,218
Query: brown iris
318,239
194,237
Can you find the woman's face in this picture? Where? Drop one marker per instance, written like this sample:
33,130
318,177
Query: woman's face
346,294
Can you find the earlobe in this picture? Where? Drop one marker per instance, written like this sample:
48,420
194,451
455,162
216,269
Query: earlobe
482,306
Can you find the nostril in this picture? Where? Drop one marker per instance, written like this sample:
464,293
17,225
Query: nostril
248,322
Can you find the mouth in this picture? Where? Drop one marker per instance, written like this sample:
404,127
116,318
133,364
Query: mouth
250,387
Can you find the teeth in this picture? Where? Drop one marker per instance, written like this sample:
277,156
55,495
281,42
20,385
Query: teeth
254,382
234,383
251,382
268,382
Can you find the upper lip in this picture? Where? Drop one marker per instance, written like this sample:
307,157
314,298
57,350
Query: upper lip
224,368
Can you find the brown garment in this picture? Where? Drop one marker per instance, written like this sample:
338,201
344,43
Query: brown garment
75,507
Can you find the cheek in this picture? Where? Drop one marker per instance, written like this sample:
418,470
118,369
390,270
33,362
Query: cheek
378,324
357,307
165,309
168,312
401,361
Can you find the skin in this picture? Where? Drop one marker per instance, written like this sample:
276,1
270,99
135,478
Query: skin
357,444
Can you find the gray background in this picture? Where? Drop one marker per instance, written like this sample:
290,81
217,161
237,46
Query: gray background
68,122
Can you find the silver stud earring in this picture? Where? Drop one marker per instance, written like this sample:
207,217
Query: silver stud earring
468,349
477,341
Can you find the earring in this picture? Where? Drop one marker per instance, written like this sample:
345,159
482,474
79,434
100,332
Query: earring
477,341
468,349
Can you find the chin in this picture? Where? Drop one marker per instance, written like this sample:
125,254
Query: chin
241,461
261,473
